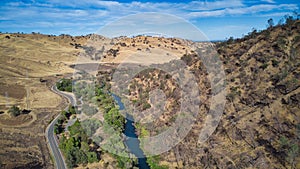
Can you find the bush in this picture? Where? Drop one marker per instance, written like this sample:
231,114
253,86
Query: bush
76,148
90,126
92,157
72,109
58,129
153,163
275,63
264,66
66,114
146,106
290,147
89,110
115,119
281,41
14,111
64,85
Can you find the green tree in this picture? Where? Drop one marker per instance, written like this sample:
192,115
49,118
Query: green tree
146,105
80,156
89,110
75,129
64,85
14,111
92,157
90,126
270,23
154,163
123,162
66,114
62,143
78,132
115,119
84,146
57,129
70,159
70,143
72,109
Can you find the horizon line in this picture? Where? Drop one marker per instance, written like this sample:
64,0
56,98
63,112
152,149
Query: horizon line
63,34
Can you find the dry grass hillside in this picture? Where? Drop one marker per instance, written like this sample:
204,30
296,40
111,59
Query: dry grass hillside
260,126
155,49
29,65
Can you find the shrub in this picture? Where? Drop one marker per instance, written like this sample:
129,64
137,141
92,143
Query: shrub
154,163
64,85
90,126
89,110
146,106
14,111
115,119
281,43
264,66
275,63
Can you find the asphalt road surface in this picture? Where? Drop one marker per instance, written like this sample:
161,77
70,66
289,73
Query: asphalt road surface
51,137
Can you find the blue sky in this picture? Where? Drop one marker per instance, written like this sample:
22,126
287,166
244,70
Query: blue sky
218,20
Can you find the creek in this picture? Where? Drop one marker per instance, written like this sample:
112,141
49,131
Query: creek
132,142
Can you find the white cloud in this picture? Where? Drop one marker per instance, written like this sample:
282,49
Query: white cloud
114,9
108,3
269,1
211,5
91,14
277,14
206,14
255,9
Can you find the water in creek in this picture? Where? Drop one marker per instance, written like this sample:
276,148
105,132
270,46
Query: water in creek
132,142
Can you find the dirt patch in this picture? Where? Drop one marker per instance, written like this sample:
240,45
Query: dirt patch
15,91
3,107
43,96
8,120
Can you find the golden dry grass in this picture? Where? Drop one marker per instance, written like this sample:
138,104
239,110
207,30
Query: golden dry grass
148,50
30,64
24,61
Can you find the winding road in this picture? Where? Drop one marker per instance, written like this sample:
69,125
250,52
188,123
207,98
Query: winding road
51,137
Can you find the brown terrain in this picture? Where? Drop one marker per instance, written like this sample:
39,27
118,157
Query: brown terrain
30,65
259,128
